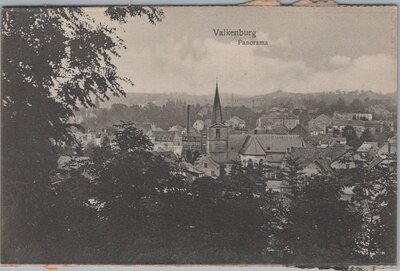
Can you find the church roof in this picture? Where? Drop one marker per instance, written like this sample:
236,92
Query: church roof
261,144
235,144
217,108
252,147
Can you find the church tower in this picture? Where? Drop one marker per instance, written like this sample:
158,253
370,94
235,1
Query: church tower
217,133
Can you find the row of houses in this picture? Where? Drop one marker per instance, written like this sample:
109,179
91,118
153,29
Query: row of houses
324,124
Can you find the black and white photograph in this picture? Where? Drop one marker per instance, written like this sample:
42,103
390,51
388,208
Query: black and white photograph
199,135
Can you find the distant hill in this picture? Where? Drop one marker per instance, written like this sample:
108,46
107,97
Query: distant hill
265,100
162,98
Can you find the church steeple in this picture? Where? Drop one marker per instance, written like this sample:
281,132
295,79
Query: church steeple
217,109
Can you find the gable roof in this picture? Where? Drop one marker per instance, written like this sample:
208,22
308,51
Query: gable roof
368,146
375,162
252,147
235,144
235,118
206,158
299,129
176,128
392,140
322,119
312,153
261,144
319,123
302,131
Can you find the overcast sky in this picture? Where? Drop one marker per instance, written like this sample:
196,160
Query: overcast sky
310,49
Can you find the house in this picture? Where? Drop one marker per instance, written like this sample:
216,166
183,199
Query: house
278,186
272,119
189,171
192,141
327,140
236,123
360,125
315,159
167,141
346,160
302,131
380,112
312,160
208,166
176,128
88,137
389,147
389,163
318,125
352,116
368,147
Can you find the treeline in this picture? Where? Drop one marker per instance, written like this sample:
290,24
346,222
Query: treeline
164,116
127,204
340,105
174,112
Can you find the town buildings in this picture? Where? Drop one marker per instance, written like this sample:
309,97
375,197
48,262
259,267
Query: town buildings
213,145
273,119
225,148
236,123
167,141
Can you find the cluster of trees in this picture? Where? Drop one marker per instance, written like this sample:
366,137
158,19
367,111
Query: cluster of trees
55,60
340,105
367,135
164,116
128,204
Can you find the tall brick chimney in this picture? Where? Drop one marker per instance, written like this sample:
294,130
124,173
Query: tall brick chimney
188,119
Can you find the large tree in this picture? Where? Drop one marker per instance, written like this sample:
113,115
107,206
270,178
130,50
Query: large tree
54,60
375,201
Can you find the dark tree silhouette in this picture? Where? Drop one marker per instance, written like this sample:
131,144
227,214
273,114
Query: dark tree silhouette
57,59
349,133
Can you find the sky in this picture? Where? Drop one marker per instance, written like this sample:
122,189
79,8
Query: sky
309,50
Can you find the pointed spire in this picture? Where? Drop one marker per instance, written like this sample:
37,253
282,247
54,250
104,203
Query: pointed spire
217,109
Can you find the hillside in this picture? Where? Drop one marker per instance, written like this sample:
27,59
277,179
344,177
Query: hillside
266,100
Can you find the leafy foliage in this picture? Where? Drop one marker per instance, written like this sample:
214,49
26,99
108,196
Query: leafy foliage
57,59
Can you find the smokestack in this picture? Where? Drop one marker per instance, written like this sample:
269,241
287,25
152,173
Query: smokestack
188,119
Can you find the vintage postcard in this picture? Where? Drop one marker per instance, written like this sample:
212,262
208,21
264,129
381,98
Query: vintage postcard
199,135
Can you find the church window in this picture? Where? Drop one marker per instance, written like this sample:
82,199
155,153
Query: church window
205,165
218,133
